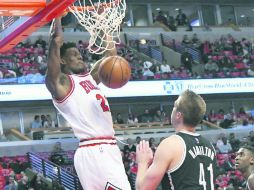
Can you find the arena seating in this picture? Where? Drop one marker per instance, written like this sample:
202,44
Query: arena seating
16,67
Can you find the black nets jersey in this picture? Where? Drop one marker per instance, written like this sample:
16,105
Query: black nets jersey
197,170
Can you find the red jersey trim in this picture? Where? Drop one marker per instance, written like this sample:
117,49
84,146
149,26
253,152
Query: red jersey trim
110,186
98,138
95,144
82,75
69,93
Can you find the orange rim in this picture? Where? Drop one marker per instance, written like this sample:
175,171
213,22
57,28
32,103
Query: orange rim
91,7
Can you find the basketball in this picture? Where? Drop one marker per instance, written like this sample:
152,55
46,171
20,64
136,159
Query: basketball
114,72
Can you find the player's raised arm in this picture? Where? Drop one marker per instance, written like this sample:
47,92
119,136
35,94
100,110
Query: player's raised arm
56,81
150,176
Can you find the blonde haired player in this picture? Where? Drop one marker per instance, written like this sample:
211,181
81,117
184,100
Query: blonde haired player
188,159
77,97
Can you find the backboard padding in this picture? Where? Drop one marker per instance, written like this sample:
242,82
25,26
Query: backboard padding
21,7
32,24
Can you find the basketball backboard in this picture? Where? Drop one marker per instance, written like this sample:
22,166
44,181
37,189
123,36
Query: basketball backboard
19,19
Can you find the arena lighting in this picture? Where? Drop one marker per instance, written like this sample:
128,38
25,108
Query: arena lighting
142,41
195,22
242,16
158,9
176,9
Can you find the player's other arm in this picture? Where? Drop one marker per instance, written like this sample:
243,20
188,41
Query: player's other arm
55,79
149,177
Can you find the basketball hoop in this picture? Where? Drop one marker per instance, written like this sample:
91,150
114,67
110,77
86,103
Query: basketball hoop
101,19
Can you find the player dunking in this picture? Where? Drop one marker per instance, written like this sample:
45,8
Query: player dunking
244,162
187,157
77,97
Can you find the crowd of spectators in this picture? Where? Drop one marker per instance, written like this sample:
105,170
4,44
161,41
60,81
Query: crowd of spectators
225,57
181,19
228,177
12,173
222,58
43,121
26,63
230,118
226,148
171,23
222,118
148,116
16,172
12,169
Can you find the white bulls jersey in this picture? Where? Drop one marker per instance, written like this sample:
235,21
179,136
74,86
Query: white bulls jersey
86,108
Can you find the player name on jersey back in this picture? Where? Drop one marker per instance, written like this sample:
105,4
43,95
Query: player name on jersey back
201,151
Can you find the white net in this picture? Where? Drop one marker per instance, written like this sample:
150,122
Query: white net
102,20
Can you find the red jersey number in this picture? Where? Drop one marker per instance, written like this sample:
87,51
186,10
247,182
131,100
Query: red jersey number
104,107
